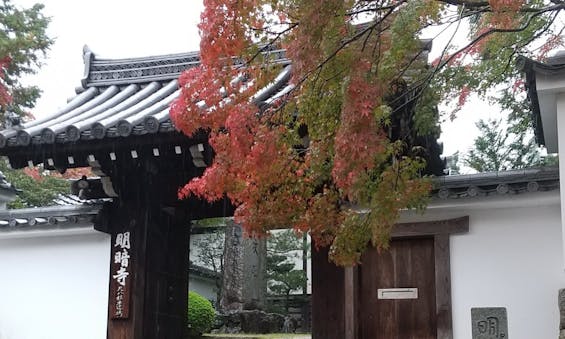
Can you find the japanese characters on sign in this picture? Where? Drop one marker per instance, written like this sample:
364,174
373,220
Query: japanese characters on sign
120,275
489,323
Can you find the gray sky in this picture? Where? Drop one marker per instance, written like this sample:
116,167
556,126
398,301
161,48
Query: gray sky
128,28
113,29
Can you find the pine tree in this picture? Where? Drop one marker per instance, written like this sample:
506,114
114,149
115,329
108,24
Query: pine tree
507,144
283,252
497,148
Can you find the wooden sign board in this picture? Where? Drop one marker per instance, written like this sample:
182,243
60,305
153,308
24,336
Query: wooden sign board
120,276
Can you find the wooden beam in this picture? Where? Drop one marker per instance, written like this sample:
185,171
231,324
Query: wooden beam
350,302
59,152
443,287
417,229
327,297
158,272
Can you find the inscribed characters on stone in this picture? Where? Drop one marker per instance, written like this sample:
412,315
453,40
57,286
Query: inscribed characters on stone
489,323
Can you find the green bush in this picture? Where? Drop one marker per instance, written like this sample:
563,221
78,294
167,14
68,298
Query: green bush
201,314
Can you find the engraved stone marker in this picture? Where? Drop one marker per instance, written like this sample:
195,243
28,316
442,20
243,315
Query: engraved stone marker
254,273
489,323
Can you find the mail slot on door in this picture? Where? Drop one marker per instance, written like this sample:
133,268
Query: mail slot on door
397,293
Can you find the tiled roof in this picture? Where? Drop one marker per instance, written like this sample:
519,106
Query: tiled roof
73,199
202,271
123,97
121,112
496,183
48,217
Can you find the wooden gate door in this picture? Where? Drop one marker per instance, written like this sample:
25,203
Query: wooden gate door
396,291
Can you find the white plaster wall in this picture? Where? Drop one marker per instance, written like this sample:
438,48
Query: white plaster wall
204,287
54,287
510,258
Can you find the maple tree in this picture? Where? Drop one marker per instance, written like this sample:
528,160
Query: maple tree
36,188
326,150
39,187
23,42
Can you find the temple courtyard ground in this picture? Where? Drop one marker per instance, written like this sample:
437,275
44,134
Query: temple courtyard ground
258,336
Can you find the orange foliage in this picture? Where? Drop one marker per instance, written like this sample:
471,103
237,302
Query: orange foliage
342,76
5,97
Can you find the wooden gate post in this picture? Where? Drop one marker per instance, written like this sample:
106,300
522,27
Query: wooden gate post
350,302
148,296
328,297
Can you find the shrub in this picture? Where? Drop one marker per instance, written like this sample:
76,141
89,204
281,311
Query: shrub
201,314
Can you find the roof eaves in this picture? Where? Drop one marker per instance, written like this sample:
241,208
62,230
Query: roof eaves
202,271
48,217
554,66
527,66
496,183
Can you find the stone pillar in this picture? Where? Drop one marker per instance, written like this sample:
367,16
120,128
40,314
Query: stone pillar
232,282
254,273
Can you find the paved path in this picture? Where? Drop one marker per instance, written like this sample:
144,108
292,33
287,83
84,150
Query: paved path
258,336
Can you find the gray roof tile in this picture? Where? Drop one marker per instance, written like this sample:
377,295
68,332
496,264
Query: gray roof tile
496,183
48,217
123,97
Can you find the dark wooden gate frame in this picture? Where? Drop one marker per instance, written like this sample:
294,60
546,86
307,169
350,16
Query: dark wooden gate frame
440,231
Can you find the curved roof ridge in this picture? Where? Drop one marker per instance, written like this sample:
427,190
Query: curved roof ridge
128,60
106,71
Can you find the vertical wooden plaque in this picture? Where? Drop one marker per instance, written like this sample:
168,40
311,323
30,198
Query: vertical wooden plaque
121,275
